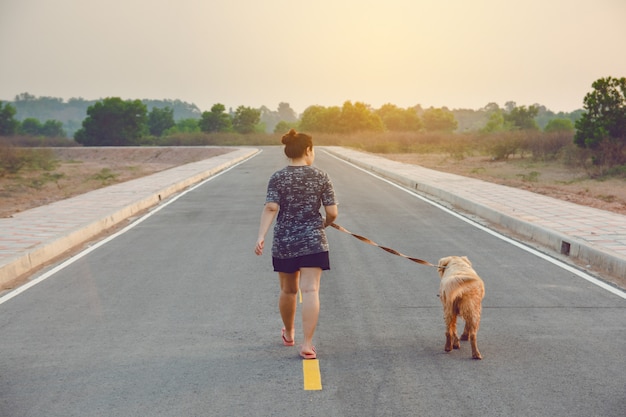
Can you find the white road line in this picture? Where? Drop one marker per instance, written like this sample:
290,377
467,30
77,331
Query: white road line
560,264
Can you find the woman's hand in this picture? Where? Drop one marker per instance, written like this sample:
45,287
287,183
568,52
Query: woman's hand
259,246
267,217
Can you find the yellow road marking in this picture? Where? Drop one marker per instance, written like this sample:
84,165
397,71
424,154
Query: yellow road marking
312,375
300,294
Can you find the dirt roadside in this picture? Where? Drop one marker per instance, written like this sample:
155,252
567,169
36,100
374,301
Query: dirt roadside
550,179
84,169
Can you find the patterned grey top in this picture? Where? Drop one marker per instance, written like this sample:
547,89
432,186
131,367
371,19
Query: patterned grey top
299,191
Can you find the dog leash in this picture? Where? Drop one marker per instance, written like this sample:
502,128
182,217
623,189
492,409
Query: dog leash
392,251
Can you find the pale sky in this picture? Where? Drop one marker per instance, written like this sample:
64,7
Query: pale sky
454,53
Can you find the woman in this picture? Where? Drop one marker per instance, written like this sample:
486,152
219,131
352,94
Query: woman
299,248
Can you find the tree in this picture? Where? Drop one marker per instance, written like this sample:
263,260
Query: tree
522,118
33,127
184,126
559,125
399,120
283,126
245,119
286,113
350,118
30,127
320,119
8,124
358,117
605,114
216,120
271,119
496,123
439,120
159,120
53,129
113,122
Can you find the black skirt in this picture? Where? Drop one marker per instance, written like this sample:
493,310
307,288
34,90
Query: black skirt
291,265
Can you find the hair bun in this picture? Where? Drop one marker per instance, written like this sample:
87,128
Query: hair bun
289,136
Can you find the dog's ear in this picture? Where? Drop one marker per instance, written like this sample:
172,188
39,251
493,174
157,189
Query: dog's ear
465,258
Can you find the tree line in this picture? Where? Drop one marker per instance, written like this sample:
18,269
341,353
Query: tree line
600,125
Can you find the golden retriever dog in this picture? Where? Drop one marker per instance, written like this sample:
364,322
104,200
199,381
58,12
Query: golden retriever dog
461,292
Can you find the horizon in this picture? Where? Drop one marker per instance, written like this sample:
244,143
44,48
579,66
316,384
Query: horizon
299,113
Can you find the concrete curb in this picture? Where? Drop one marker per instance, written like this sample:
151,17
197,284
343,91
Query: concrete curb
602,259
157,187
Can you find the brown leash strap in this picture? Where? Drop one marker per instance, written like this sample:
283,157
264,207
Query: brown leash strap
392,251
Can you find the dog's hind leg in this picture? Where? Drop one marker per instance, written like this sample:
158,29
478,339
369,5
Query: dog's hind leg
475,352
471,327
452,340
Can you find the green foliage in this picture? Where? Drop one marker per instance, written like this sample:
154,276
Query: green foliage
439,120
522,117
283,126
559,125
545,115
320,119
113,122
245,119
181,110
183,126
46,177
271,119
30,126
350,118
33,127
359,117
603,125
159,120
105,176
496,123
216,120
53,129
69,114
72,112
8,124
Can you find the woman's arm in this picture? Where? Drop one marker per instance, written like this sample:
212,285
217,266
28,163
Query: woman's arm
331,214
267,217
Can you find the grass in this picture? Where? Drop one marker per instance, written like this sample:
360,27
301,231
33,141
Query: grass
530,177
105,176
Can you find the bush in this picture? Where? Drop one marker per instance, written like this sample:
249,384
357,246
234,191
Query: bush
502,145
13,159
546,147
37,142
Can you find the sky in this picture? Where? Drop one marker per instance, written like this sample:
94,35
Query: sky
452,53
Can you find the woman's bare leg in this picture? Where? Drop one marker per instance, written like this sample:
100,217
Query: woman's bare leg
309,285
287,301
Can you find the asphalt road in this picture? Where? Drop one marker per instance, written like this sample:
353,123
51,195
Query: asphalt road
178,317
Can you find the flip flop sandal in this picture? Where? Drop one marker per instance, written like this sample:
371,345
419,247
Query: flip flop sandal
285,341
311,355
